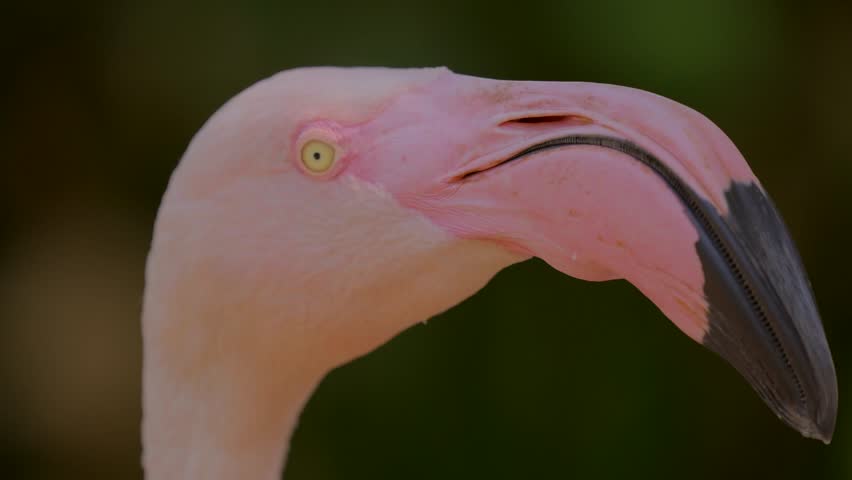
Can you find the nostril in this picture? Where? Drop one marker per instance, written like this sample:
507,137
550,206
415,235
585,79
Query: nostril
561,120
543,119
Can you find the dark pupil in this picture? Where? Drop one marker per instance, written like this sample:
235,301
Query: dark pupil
317,155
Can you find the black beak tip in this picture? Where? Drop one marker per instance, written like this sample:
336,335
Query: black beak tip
763,316
814,415
819,428
823,427
825,431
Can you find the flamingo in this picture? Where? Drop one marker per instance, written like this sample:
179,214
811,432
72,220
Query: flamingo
323,210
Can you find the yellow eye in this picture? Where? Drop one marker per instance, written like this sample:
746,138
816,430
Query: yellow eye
318,156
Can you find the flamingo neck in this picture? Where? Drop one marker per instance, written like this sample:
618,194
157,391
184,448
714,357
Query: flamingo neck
243,319
223,415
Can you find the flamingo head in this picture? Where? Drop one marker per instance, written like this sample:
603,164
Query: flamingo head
323,210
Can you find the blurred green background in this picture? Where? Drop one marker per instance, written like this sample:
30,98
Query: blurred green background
539,375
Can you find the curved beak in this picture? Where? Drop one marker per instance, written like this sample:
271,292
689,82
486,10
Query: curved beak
761,315
608,182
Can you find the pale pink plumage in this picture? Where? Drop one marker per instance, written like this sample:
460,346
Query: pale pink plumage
262,278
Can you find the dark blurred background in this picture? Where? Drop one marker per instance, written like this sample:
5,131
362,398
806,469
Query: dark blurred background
539,374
